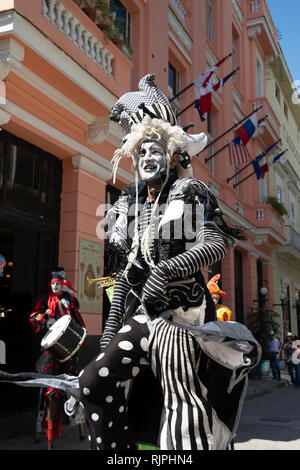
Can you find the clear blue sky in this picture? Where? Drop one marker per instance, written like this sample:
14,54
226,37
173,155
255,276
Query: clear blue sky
285,15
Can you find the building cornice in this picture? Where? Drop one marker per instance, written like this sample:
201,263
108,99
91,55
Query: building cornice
12,23
61,138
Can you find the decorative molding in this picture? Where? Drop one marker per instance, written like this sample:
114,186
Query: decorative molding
260,239
253,32
237,96
104,129
252,254
178,7
62,138
13,23
237,10
42,86
268,264
11,56
210,56
71,27
171,35
254,27
84,163
4,117
180,31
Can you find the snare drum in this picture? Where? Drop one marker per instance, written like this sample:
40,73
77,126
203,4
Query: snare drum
64,338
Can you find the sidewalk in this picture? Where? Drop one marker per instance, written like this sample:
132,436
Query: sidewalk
258,388
70,436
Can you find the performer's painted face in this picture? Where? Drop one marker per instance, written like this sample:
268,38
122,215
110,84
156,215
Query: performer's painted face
152,161
56,287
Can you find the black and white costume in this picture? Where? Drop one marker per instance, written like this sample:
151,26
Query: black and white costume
167,372
175,289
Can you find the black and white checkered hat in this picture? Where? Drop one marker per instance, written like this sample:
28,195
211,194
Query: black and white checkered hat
132,107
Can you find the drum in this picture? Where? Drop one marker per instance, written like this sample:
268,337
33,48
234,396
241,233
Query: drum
64,338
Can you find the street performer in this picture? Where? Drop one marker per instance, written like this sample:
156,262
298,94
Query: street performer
169,312
223,313
60,301
168,373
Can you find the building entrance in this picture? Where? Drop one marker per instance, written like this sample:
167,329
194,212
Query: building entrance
29,231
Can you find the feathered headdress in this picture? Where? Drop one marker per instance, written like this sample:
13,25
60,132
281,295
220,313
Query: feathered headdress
213,287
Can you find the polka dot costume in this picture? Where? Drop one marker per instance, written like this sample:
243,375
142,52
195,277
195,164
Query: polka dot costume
102,386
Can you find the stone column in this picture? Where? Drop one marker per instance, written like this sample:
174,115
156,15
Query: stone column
268,267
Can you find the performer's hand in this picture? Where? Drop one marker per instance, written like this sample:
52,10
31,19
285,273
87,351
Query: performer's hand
39,316
154,290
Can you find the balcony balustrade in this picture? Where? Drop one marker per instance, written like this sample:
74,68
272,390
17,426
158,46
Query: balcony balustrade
71,27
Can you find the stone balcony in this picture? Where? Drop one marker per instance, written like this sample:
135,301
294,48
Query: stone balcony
260,26
70,25
291,249
268,223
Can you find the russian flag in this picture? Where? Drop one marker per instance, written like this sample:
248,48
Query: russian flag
246,131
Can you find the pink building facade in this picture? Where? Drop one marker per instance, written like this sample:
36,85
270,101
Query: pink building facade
61,76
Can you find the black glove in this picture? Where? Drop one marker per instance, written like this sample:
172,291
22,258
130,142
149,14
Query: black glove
155,288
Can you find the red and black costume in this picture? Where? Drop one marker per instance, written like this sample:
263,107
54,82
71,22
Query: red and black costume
52,400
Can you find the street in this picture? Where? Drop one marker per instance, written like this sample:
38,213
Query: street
271,422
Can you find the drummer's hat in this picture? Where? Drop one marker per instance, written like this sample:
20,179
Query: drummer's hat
58,273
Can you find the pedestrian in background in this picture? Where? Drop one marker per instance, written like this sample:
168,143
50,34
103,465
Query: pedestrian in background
274,350
296,361
288,350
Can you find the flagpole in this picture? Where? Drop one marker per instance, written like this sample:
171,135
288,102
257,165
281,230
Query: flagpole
231,128
191,84
192,104
244,168
238,123
237,184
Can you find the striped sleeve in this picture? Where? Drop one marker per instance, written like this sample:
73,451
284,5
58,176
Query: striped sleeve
209,249
114,321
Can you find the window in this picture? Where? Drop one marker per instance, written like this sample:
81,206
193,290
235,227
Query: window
286,111
32,182
209,20
293,210
259,78
277,92
173,81
123,18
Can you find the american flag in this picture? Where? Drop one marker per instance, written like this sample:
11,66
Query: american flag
238,154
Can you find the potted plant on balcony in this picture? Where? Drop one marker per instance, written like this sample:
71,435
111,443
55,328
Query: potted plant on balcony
88,7
277,205
260,322
112,26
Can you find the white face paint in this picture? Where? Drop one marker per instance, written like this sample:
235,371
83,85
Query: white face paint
152,161
56,287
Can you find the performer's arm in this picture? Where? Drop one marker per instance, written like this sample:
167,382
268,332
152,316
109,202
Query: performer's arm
37,318
209,249
113,323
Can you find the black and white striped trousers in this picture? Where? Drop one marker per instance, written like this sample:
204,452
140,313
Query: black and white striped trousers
174,356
